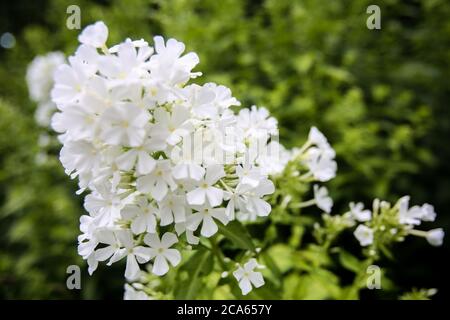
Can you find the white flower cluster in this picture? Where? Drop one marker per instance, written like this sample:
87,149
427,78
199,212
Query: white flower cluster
159,158
39,79
405,217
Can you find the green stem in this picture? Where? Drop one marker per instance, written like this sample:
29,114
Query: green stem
304,204
216,251
418,233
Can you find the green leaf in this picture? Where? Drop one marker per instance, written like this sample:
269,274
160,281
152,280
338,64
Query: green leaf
349,262
236,233
283,257
201,262
386,252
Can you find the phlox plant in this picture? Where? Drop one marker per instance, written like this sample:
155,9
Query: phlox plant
196,196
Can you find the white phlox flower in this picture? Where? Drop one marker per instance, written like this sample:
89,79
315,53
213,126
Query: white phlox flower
364,235
161,161
248,277
358,213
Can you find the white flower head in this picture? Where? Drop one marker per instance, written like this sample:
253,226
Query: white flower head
124,114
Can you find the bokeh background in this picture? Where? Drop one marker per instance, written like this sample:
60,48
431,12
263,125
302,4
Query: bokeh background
380,96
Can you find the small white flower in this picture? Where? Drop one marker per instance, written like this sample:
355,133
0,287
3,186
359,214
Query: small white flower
120,245
142,215
104,207
168,66
40,75
202,99
323,201
256,123
321,163
358,213
94,35
274,159
364,235
205,215
316,137
205,188
125,115
187,161
172,209
428,213
247,276
236,201
253,203
158,182
249,174
435,237
69,84
161,252
39,79
124,125
171,127
416,214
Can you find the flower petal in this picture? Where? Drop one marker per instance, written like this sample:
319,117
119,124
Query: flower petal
256,279
168,239
132,268
214,195
145,163
160,266
245,286
209,227
173,256
104,253
152,240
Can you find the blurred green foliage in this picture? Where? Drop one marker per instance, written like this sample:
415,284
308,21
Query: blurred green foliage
380,96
